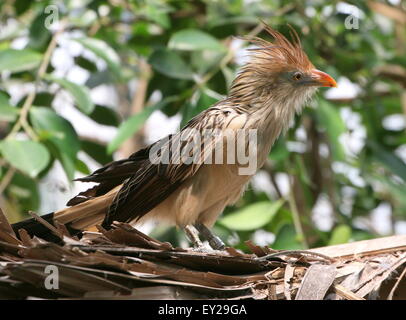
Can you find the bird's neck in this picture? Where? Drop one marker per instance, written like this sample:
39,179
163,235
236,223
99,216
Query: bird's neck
271,116
271,119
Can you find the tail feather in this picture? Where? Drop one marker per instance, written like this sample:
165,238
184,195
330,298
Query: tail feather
88,213
34,228
76,218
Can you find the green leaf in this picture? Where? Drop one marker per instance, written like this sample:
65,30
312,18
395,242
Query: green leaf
25,190
388,159
359,235
104,51
80,94
98,78
286,239
193,39
133,124
39,34
393,190
340,234
97,151
7,112
43,99
253,216
279,150
21,6
170,64
85,19
229,75
60,133
330,119
158,15
302,170
202,61
105,115
86,64
82,167
208,98
19,60
28,156
282,217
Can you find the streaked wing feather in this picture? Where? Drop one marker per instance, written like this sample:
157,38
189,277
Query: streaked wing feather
154,182
110,176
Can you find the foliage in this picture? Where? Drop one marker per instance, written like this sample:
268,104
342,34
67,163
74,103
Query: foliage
185,51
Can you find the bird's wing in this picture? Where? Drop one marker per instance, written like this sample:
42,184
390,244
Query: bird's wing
110,176
153,182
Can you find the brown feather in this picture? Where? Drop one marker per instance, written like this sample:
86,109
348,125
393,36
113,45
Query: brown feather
187,193
281,53
153,183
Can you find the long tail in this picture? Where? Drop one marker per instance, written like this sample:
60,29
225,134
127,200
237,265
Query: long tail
76,218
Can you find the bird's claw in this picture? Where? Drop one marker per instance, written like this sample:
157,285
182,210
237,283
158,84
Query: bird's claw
216,243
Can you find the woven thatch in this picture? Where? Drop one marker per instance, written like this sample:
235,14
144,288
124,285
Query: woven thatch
124,263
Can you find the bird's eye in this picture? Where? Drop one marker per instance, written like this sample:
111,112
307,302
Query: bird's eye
297,76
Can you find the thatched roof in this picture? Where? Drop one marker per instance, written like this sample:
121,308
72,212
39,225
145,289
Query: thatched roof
124,263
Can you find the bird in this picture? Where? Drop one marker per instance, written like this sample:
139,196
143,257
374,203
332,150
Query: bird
275,83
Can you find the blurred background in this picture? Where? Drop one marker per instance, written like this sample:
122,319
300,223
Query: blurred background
84,82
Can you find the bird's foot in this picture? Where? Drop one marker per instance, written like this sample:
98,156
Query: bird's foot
213,244
193,236
204,248
207,249
214,241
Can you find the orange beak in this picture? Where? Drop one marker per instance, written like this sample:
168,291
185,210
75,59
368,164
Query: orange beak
322,79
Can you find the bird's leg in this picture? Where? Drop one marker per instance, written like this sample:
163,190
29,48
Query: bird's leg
193,235
215,242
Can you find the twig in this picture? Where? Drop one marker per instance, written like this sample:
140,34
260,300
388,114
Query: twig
390,296
345,293
6,179
268,168
295,252
46,224
393,13
287,278
5,225
296,217
22,120
136,142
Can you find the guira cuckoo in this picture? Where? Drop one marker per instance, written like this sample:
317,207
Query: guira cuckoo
276,82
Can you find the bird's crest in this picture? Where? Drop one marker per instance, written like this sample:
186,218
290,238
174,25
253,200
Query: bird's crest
280,54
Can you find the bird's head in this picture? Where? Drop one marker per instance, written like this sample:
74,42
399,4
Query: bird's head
279,71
